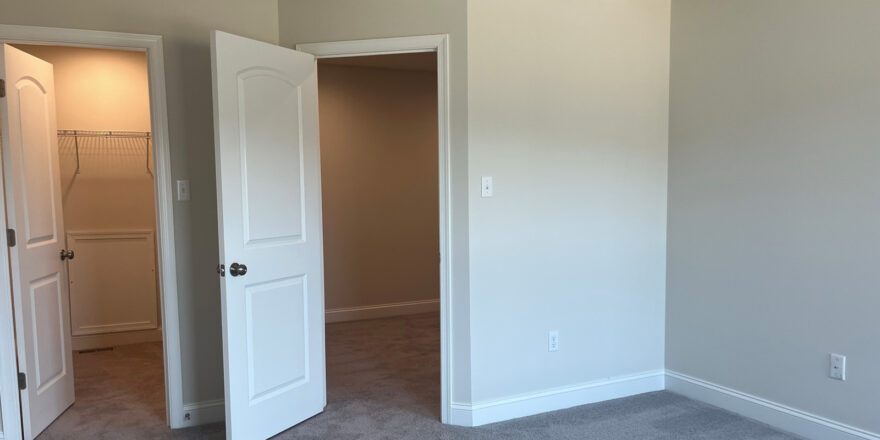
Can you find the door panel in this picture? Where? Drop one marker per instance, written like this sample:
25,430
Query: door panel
270,308
35,149
268,184
33,209
46,311
271,147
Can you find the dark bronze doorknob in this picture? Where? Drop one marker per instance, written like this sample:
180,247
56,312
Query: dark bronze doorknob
66,254
237,270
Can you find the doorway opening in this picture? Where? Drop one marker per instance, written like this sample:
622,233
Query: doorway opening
379,185
80,175
427,54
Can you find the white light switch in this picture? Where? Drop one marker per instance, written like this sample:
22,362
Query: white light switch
553,341
486,186
182,190
837,368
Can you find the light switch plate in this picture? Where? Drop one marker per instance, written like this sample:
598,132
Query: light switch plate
182,190
553,340
486,186
837,369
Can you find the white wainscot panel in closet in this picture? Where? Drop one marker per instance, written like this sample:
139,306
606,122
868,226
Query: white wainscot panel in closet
112,282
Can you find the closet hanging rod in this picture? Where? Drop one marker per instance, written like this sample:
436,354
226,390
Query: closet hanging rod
106,133
76,134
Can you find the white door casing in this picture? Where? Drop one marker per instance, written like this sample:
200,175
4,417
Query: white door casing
33,209
269,214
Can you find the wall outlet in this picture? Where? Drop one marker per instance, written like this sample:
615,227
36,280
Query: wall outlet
837,368
553,341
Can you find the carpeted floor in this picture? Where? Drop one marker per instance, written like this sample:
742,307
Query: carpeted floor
383,382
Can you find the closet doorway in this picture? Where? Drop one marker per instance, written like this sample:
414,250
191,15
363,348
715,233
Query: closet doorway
81,167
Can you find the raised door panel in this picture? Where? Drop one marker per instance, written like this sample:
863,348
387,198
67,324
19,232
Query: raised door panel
46,308
39,180
276,311
271,158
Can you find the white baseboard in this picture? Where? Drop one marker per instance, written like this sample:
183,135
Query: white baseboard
201,413
551,400
91,342
382,310
774,414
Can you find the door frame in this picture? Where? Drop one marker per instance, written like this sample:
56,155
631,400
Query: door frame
168,295
416,44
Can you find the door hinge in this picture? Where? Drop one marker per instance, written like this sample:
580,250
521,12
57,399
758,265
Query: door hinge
2,88
22,381
10,237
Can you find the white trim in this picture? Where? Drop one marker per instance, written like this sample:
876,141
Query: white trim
91,342
152,45
440,45
201,413
555,399
378,46
777,415
381,310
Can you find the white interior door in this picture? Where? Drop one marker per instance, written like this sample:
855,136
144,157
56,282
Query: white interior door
33,209
269,197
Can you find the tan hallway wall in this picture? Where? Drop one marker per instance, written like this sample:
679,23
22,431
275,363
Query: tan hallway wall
185,27
379,184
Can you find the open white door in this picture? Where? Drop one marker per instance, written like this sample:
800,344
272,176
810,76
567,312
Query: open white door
33,210
269,197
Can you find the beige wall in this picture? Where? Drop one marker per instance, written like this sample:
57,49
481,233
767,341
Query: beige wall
379,185
185,27
773,201
568,113
306,21
100,89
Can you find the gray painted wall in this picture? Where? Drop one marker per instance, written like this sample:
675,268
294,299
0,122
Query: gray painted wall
774,200
568,106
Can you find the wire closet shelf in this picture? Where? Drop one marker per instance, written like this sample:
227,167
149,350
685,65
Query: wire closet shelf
77,134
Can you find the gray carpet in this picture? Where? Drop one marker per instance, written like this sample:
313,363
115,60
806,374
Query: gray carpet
383,383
